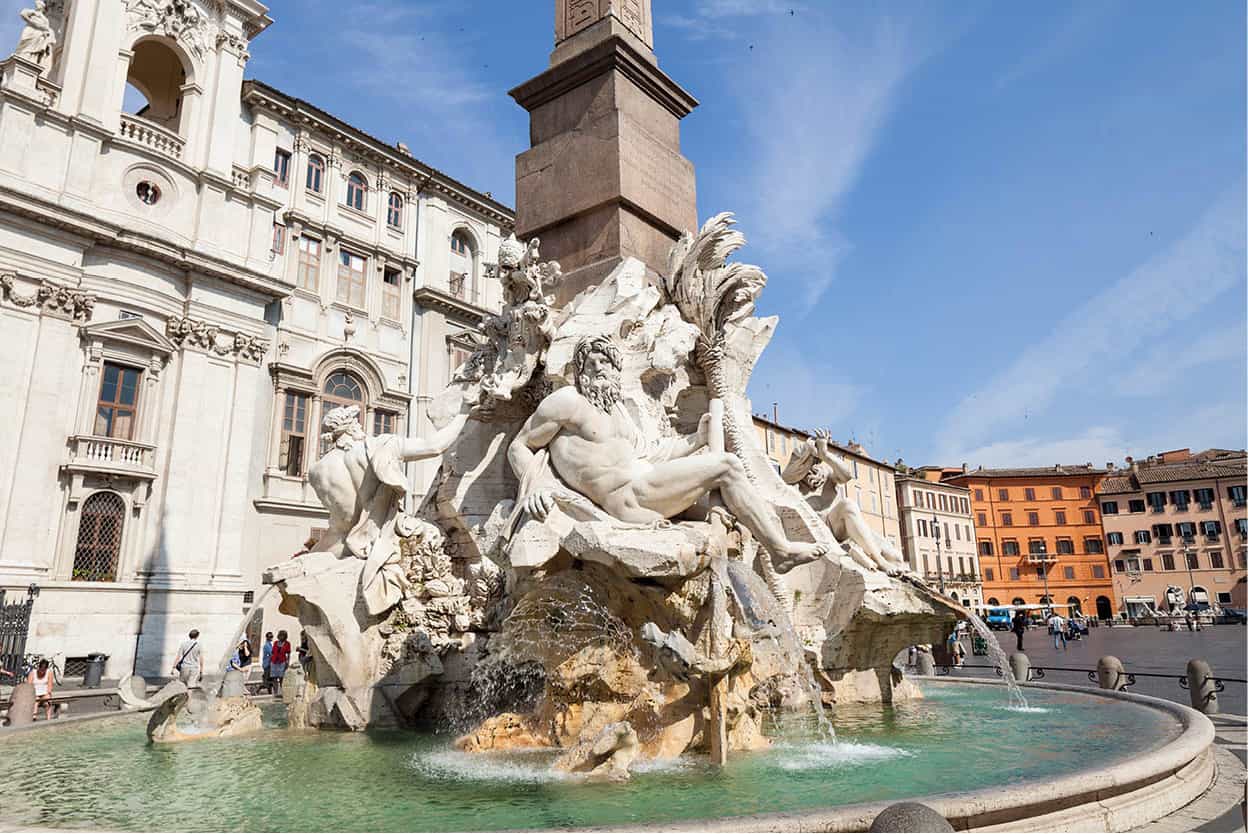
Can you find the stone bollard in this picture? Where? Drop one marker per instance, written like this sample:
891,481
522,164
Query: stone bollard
909,816
925,664
22,705
1110,674
1201,687
232,686
1020,667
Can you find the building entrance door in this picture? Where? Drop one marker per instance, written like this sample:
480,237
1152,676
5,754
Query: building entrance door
1104,609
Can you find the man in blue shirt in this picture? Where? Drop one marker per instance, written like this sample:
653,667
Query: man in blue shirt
265,655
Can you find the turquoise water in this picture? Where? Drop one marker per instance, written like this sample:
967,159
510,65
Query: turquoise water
960,737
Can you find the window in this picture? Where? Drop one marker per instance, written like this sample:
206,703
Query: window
1193,560
961,566
394,211
1009,547
1211,529
1093,545
351,281
117,404
1065,546
1241,527
1089,517
1204,497
459,245
1085,492
148,193
357,190
1057,493
981,519
1148,565
98,548
1224,598
1109,508
294,433
1007,520
1003,495
989,574
341,389
979,495
1163,532
1143,537
1029,494
1180,498
967,528
1167,561
957,532
985,548
1060,517
966,506
1098,571
1036,547
1120,566
309,268
390,282
1215,559
281,167
1135,505
1114,538
918,498
279,239
922,527
1068,572
384,422
1187,531
1014,573
1157,500
1033,519
316,173
1238,495
946,533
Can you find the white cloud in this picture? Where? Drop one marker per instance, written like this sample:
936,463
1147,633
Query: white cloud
1095,445
808,394
1169,362
1085,347
1077,26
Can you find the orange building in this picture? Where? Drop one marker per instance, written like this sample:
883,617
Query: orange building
1039,536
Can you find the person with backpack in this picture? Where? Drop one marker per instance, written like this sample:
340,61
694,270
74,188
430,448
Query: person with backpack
1019,627
278,661
187,667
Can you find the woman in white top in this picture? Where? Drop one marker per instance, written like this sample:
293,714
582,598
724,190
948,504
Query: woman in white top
41,678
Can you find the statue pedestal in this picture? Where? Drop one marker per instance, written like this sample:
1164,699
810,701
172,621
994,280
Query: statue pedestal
21,75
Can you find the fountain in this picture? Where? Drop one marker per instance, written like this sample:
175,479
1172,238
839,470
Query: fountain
608,593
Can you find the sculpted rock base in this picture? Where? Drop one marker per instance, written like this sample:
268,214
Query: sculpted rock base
222,718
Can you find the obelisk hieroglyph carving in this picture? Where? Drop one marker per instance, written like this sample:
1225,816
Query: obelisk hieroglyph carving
572,16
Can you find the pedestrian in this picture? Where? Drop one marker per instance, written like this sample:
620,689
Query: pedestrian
1019,625
266,653
41,679
912,657
278,660
1057,627
241,658
187,667
956,652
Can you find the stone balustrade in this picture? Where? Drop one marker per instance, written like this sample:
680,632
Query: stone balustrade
111,454
151,135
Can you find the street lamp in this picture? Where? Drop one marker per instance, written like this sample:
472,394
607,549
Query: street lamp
1191,579
940,568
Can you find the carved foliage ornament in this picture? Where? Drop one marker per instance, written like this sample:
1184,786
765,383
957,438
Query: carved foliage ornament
209,337
50,297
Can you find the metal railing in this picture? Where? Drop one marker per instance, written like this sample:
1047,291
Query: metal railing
1039,673
14,627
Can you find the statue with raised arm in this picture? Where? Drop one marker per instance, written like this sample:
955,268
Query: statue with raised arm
361,482
594,447
819,474
37,38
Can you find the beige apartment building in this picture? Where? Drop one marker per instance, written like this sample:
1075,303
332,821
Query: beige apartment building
1176,529
938,535
873,485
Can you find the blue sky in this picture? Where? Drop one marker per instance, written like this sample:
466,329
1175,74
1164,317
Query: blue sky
998,233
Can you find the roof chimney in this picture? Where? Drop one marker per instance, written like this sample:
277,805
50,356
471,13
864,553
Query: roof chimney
1109,465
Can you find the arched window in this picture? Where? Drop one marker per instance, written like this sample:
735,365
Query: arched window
460,281
1018,601
342,388
154,83
316,173
993,601
394,210
357,188
1076,607
99,538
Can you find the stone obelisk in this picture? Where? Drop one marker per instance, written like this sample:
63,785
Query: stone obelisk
604,178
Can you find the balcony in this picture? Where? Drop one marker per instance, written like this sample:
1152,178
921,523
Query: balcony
1041,558
151,135
457,285
110,456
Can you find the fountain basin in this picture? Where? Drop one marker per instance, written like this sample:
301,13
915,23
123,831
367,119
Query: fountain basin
1081,758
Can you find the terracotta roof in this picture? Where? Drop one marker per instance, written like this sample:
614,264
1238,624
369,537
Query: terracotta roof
1170,473
1029,472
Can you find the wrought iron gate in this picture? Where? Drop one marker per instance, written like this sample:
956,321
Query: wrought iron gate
14,626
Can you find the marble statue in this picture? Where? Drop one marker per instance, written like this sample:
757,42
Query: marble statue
360,480
820,475
592,444
37,38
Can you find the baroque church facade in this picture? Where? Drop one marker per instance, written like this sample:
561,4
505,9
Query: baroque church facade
184,290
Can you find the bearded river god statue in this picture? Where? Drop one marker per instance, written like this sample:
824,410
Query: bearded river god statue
606,562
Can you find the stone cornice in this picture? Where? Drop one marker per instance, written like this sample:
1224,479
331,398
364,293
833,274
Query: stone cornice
104,232
442,301
615,53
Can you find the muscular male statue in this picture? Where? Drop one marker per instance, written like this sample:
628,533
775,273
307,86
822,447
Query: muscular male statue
818,473
596,449
361,481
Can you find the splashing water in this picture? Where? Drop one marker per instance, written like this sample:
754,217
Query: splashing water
256,610
999,659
